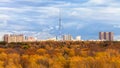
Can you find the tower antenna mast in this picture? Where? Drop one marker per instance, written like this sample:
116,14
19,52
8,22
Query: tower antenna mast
60,23
59,37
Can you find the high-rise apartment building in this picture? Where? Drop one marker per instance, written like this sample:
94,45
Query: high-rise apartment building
67,37
106,36
13,38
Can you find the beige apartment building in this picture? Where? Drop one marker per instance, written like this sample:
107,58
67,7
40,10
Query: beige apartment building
13,38
67,37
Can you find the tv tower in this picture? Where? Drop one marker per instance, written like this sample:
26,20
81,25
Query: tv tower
59,37
60,23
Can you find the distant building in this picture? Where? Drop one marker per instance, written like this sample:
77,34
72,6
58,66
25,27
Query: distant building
117,38
52,39
30,39
67,37
78,38
106,36
13,38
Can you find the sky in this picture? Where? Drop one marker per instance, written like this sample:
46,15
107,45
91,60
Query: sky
40,18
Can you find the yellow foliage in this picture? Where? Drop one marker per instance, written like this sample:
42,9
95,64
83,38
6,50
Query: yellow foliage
64,56
41,51
1,64
3,56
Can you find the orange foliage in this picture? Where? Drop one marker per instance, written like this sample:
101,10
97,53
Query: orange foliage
60,54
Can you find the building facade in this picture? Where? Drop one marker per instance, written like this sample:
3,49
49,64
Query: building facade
106,36
67,37
13,38
30,39
78,38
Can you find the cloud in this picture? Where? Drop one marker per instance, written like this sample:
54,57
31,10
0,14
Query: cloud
116,26
3,1
15,9
101,3
106,14
98,2
37,0
42,16
76,25
3,20
4,17
3,24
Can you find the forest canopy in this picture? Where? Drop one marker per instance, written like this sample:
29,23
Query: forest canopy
60,54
